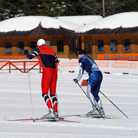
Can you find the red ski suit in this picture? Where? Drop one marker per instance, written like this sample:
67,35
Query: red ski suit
46,58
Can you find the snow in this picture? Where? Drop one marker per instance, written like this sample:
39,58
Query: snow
15,102
27,23
80,20
126,20
78,23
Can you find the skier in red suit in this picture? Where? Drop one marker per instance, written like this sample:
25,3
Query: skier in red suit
48,60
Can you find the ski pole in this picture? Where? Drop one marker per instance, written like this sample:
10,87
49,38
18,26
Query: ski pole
113,104
30,88
91,101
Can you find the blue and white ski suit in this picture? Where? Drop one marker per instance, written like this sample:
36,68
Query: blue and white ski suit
95,78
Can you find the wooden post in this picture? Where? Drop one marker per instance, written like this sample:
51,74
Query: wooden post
9,66
53,44
120,45
94,48
106,45
82,42
133,44
66,48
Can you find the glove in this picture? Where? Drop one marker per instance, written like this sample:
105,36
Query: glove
25,52
75,80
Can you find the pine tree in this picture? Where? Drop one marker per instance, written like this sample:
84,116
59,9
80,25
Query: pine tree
2,10
71,7
127,6
13,8
46,7
30,7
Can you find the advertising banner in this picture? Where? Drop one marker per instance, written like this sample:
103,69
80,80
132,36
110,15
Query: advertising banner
123,56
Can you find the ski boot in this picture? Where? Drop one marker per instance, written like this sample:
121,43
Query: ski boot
56,114
101,111
50,115
93,112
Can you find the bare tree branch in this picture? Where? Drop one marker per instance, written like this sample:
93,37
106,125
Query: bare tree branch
88,7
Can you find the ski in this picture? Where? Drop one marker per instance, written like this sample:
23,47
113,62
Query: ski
55,120
43,120
93,116
26,119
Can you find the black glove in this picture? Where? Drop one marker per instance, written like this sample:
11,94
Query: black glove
75,80
25,52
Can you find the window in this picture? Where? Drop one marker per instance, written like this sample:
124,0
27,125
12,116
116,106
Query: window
77,44
32,46
48,43
100,45
60,46
20,47
126,44
90,46
113,45
87,48
8,48
70,46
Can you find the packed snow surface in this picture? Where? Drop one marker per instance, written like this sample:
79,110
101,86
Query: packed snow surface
15,103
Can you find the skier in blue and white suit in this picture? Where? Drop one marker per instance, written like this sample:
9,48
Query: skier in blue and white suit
94,81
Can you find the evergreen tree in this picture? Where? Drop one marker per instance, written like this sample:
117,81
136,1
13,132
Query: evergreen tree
30,7
127,6
47,8
59,8
13,8
73,7
39,7
2,10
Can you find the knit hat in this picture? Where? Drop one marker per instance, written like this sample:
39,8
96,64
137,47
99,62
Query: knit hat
81,52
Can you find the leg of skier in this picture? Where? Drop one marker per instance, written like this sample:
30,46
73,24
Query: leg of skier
46,82
97,98
50,115
55,104
90,95
53,93
93,87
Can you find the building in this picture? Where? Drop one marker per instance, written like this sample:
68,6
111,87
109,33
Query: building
113,37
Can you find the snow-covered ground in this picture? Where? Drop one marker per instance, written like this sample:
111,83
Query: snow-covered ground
15,102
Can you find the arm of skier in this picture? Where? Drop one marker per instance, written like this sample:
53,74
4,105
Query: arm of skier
56,59
81,71
31,56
